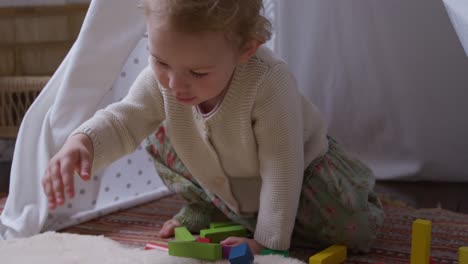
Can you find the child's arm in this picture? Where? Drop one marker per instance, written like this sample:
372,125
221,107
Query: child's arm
118,129
278,127
108,135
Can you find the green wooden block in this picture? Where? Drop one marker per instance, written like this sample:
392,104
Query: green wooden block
222,224
219,234
189,249
182,234
268,251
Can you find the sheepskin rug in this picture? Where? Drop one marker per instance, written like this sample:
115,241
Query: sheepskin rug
59,248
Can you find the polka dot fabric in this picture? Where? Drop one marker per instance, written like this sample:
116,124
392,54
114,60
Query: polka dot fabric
127,182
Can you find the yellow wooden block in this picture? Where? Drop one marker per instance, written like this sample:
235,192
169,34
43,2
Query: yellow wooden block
421,241
331,255
463,255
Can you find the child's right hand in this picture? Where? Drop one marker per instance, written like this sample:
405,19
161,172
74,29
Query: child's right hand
75,155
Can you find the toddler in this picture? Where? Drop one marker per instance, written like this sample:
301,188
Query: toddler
228,129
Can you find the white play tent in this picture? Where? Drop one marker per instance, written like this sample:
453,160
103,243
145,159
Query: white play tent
391,78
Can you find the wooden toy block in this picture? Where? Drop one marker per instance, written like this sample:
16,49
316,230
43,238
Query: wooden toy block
158,246
332,255
182,234
241,254
431,261
221,224
268,251
463,255
219,234
421,241
203,240
226,250
192,249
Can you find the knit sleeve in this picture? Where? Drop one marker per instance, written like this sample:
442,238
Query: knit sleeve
118,129
278,128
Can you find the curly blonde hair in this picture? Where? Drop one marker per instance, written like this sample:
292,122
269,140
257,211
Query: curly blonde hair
240,19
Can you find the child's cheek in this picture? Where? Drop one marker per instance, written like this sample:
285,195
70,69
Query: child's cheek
162,78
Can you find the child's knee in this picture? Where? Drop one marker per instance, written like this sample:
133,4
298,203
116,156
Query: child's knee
361,231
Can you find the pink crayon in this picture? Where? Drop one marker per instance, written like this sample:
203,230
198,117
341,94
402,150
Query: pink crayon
158,246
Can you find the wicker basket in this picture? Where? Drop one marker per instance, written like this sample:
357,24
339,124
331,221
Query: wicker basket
16,96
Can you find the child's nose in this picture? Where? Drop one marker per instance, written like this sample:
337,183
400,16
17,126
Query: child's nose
178,83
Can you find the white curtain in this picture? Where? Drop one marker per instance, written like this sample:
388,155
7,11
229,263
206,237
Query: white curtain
99,69
458,12
391,78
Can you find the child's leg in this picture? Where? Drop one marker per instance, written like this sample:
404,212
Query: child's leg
200,210
338,205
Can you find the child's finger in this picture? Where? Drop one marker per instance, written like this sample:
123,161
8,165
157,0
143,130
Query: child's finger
85,166
67,170
231,241
57,184
47,186
168,228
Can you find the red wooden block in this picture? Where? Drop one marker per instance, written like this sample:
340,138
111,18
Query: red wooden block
203,240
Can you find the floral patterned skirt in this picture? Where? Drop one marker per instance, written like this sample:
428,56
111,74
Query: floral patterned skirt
337,203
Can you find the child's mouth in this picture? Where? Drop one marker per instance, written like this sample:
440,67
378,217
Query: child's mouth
185,99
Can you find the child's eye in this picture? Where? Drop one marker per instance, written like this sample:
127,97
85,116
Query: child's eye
163,64
198,74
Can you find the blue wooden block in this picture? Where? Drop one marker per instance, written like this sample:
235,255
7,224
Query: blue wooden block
241,254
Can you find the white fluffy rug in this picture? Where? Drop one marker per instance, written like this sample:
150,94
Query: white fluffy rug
58,248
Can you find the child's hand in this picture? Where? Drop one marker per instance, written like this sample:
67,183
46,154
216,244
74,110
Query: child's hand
168,228
255,247
76,154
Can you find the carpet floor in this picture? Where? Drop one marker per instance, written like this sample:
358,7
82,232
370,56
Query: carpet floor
139,225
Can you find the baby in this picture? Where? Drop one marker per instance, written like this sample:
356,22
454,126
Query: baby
228,129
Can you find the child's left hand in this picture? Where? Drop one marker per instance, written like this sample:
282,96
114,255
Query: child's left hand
255,247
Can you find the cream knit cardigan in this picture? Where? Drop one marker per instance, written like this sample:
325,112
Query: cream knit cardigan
251,152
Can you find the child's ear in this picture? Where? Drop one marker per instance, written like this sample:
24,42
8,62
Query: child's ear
248,50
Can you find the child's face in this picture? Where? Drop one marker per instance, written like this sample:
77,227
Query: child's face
196,67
